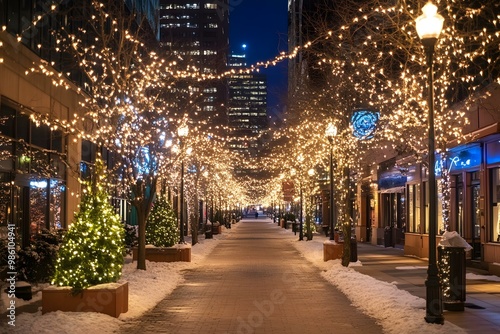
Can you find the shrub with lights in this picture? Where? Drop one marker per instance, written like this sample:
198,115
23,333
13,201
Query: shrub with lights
161,228
92,250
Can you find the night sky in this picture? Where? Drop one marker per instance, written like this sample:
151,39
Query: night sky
262,25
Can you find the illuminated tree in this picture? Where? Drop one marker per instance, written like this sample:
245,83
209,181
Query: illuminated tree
161,229
92,250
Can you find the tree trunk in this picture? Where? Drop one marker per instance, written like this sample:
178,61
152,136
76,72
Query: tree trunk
195,221
141,248
346,226
308,226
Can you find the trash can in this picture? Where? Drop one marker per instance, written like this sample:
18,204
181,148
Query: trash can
208,231
388,237
354,250
451,264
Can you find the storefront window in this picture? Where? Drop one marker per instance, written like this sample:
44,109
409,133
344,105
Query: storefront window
495,205
38,206
414,208
29,197
418,207
46,205
411,209
57,204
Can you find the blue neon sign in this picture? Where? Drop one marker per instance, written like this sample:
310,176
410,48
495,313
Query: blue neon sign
459,159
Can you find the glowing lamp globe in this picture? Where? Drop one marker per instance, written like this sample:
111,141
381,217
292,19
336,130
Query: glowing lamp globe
430,23
331,130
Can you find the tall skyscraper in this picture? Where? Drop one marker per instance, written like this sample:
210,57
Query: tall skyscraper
247,108
196,34
302,27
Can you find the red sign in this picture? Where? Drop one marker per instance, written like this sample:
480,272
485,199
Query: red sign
288,191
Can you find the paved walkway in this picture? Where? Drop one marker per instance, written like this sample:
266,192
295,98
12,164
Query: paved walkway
482,305
254,282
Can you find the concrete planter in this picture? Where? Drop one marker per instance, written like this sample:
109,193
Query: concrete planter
332,250
165,254
110,299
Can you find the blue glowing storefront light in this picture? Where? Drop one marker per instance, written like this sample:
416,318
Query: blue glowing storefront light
459,158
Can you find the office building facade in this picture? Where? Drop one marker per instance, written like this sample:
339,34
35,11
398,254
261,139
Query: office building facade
247,108
196,35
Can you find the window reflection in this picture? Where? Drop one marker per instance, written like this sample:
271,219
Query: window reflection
495,205
46,203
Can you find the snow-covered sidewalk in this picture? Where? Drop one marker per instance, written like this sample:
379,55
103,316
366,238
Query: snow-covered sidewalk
146,289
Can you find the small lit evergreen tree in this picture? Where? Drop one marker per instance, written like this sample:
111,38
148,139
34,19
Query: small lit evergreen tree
92,250
161,228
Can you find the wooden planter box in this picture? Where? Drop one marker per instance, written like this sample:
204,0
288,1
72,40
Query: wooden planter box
165,254
332,251
216,229
110,299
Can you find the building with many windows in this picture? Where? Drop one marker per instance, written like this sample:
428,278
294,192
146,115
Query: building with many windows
196,35
302,27
247,108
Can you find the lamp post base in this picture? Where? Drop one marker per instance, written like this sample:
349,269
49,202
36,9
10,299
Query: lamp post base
434,301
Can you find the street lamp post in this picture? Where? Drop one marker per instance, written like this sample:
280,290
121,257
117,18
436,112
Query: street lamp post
182,132
429,26
310,194
300,158
331,132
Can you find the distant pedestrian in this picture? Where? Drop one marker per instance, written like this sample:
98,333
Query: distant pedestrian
256,214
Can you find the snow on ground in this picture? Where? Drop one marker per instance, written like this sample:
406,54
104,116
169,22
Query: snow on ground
146,289
380,300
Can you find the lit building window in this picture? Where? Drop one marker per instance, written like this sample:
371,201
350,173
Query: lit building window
209,52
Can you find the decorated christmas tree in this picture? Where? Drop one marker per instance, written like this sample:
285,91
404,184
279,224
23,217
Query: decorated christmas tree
161,228
92,250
